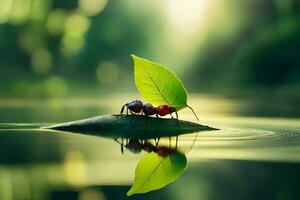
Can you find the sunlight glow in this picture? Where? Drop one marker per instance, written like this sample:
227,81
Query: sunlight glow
186,29
186,16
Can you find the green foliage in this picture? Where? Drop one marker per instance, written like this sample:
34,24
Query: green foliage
154,172
158,85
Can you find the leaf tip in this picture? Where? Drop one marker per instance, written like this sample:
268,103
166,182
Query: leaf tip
133,56
130,192
134,59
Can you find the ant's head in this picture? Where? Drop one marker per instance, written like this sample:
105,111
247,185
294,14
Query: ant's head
172,109
164,151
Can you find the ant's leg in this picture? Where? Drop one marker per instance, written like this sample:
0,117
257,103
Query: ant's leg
134,120
156,142
176,142
156,116
122,146
122,110
176,113
193,112
126,111
170,142
171,115
120,143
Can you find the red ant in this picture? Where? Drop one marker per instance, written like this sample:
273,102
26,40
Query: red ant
137,107
136,146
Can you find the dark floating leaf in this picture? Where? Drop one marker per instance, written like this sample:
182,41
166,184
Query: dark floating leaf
131,126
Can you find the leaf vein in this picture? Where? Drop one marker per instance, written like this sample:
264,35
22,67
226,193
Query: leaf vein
158,88
146,180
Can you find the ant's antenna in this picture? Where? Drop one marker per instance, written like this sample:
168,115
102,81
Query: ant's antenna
192,111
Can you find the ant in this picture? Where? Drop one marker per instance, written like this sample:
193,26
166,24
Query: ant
136,146
137,107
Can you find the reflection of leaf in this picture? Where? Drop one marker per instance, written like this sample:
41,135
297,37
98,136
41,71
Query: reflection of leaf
158,85
154,172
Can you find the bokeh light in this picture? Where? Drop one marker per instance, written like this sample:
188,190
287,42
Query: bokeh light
107,72
39,10
5,10
55,86
75,27
92,7
56,22
91,195
20,11
41,61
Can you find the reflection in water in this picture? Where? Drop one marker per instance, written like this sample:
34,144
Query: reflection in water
136,145
160,167
75,169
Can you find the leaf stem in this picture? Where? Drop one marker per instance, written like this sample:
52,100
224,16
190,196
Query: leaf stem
193,112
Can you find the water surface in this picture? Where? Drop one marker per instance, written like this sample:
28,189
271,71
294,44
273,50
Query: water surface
250,157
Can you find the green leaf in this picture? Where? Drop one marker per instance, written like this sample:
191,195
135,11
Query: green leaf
154,172
158,85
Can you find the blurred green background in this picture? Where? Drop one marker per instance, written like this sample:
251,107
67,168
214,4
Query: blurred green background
51,48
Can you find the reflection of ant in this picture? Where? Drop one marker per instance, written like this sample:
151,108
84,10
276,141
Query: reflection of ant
136,146
137,107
